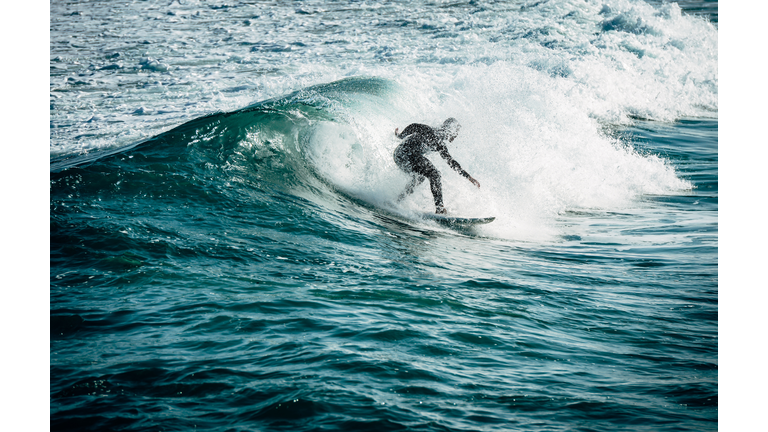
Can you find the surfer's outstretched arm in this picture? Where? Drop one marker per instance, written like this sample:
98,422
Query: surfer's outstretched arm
456,167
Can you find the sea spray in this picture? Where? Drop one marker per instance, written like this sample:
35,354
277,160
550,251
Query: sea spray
535,159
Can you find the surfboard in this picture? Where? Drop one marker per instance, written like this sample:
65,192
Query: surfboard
457,221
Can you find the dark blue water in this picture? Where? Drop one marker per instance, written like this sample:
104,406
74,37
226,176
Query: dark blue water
242,270
179,299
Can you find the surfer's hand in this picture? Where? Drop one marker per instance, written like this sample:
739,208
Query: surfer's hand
396,131
474,182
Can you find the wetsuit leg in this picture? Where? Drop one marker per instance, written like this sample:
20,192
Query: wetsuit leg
420,167
415,181
425,168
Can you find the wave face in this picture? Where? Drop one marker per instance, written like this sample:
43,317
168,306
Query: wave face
226,254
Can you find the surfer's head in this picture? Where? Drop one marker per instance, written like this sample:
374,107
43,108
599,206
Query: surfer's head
450,129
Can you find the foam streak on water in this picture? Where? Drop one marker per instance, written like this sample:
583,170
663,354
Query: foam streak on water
117,75
226,254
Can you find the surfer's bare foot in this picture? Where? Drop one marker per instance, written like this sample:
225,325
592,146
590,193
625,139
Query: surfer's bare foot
441,210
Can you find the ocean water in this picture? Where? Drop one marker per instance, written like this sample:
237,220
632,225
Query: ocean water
225,254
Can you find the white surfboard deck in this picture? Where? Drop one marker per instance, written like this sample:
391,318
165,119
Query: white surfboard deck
451,220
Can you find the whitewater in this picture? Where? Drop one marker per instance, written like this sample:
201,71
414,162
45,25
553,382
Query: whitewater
226,253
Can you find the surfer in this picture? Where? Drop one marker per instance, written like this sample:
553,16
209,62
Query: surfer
409,157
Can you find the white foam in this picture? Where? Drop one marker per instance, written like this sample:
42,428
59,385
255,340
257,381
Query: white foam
618,58
535,159
533,116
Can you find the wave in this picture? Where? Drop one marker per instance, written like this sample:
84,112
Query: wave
333,143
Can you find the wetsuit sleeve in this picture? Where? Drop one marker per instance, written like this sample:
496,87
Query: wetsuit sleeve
452,162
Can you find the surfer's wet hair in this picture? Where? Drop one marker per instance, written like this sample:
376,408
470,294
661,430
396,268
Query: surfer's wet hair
450,128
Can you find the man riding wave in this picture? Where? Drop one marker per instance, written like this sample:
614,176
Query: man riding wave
409,157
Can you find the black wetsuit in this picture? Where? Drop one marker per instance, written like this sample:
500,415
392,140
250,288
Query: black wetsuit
409,156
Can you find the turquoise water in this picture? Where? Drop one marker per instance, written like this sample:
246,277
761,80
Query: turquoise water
225,255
